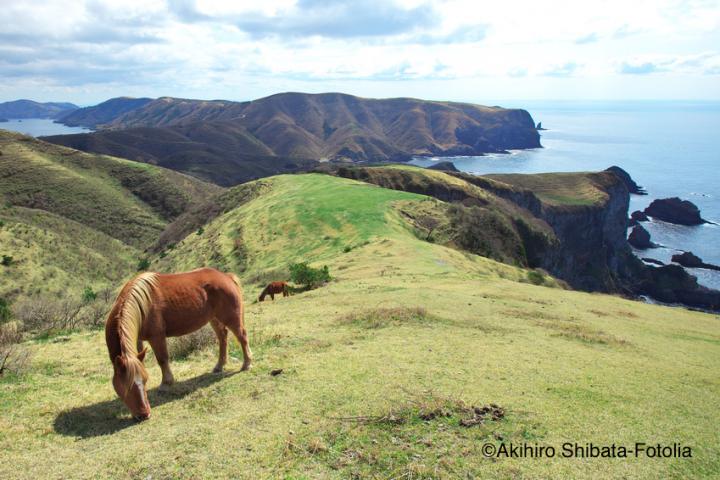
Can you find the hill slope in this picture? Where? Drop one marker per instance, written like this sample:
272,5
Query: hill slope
32,109
380,367
222,153
81,203
328,126
105,112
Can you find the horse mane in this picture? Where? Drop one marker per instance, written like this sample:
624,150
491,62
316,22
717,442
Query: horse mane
133,305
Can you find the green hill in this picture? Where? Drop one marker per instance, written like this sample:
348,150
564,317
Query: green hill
70,218
382,366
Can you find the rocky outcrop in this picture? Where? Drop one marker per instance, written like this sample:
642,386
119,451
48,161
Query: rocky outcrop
690,260
445,166
675,210
640,238
589,247
627,180
672,284
639,216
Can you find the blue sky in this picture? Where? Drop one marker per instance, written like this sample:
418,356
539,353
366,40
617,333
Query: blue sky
86,51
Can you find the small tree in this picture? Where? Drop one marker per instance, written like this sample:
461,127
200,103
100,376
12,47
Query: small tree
310,277
88,295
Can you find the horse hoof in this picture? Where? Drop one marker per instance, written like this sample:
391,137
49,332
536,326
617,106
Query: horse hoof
245,367
164,387
217,369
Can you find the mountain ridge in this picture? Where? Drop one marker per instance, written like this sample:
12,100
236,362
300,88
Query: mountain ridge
24,108
232,142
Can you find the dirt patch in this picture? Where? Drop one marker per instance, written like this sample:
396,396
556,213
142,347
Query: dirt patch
583,333
390,316
411,440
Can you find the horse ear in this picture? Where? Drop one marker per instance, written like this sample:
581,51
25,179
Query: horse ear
141,355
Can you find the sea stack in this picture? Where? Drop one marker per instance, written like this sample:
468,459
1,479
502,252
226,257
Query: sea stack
690,260
640,238
675,210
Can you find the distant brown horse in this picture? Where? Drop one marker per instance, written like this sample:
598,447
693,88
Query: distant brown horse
272,289
155,306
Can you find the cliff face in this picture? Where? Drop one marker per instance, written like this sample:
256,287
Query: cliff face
574,226
592,251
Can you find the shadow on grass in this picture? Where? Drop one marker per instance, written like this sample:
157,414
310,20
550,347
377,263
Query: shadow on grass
110,416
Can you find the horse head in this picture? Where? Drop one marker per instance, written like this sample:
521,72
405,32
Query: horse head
130,380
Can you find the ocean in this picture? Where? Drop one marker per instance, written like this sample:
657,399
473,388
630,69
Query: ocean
670,148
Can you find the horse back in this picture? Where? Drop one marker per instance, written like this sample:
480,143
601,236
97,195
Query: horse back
188,300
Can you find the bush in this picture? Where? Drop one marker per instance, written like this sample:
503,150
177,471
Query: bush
535,277
310,277
179,348
88,295
14,358
49,315
5,312
6,261
143,265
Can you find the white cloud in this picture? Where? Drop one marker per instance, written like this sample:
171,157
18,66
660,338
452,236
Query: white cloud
242,49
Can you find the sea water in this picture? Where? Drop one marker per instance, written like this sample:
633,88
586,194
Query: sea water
670,148
38,127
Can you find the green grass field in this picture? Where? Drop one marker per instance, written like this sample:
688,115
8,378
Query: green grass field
380,367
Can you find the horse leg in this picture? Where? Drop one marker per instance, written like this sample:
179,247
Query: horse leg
221,332
272,296
236,325
159,346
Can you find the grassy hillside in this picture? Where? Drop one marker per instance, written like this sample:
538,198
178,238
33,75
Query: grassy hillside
55,255
380,367
70,219
98,191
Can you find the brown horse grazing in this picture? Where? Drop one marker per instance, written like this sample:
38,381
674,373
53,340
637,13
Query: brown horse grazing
272,289
155,306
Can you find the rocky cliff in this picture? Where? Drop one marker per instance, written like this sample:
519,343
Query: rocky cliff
578,237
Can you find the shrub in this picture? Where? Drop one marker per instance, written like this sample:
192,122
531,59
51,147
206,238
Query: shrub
5,312
180,348
535,277
200,231
6,261
310,277
49,315
88,295
143,264
14,358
